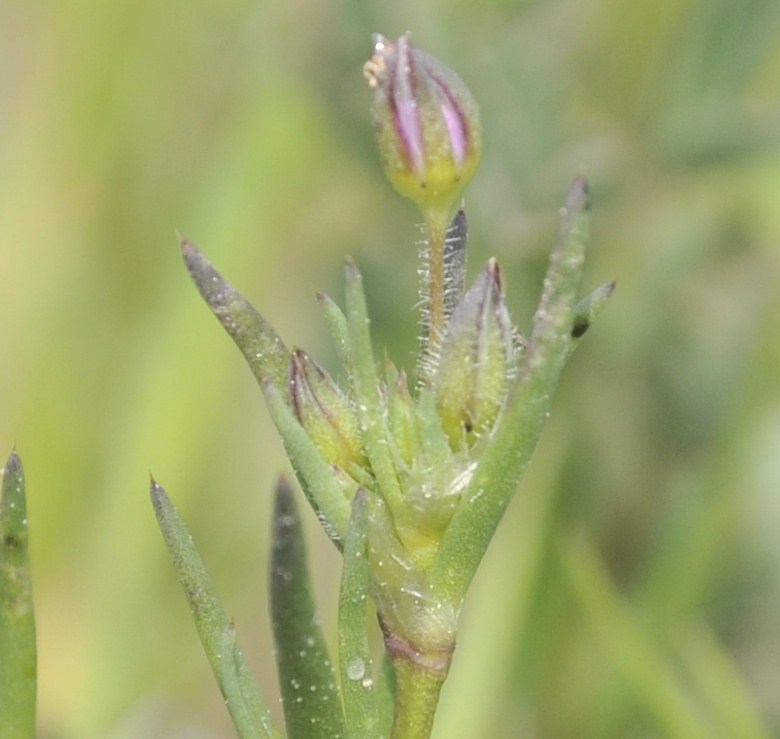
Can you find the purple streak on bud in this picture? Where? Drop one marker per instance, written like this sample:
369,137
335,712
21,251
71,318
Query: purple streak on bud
401,96
426,121
454,119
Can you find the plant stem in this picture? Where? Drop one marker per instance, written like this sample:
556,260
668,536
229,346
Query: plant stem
436,222
419,674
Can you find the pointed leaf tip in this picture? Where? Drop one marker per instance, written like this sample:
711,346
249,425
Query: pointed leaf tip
155,489
13,465
351,270
261,346
578,198
283,494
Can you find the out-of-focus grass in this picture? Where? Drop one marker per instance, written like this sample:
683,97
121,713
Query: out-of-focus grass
633,590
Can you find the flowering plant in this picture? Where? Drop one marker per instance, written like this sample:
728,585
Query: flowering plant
408,482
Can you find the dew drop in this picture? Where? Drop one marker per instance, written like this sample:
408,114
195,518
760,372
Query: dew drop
356,669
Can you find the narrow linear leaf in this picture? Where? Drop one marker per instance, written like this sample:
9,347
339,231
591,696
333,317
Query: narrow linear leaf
357,681
521,422
261,346
312,705
315,475
216,632
564,273
18,663
366,390
639,661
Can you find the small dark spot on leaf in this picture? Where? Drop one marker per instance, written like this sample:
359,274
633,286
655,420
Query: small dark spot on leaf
581,325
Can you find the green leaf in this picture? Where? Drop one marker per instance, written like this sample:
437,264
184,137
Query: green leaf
316,476
337,324
385,695
261,346
18,670
312,706
521,422
216,632
357,681
367,393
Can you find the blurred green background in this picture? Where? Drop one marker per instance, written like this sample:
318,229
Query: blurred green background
634,588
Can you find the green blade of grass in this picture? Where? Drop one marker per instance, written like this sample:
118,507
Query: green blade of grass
716,676
357,682
640,662
312,706
18,665
216,632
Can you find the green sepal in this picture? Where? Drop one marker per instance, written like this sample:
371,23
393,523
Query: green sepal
520,423
310,696
261,346
18,657
356,668
402,418
215,630
321,484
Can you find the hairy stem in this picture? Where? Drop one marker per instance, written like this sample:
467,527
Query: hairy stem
436,222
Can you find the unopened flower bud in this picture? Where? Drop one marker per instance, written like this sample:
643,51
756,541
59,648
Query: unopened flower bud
325,412
426,121
477,360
